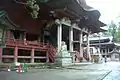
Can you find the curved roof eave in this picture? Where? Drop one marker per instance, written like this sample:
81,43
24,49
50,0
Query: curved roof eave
98,24
114,51
4,20
101,24
84,5
2,13
117,44
74,4
97,30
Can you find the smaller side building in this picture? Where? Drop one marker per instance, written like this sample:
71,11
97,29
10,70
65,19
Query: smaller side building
106,46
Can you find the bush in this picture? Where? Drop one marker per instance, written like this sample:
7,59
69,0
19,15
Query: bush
29,65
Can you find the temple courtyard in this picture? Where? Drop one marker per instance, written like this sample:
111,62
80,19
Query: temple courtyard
102,71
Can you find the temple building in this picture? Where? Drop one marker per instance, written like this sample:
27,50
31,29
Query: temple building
36,36
105,46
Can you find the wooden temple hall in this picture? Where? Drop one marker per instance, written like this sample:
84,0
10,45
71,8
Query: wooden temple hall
33,30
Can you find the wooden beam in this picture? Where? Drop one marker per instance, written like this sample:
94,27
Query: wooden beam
40,57
24,56
77,28
68,12
101,43
7,56
65,23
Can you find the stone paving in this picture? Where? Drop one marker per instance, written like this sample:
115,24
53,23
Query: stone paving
112,67
114,75
103,66
108,71
64,74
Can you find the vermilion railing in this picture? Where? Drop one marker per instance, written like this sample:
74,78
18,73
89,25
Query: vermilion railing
33,44
51,50
29,44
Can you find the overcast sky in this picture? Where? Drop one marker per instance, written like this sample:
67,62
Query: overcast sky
109,9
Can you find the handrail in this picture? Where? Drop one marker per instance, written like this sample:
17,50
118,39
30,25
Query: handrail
34,44
26,43
85,55
52,53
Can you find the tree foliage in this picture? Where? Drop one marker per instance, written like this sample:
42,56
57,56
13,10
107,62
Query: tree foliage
114,30
35,8
118,34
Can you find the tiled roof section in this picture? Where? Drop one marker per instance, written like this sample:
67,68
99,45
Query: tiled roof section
2,13
4,20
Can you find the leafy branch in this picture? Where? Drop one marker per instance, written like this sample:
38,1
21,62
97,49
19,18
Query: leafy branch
32,5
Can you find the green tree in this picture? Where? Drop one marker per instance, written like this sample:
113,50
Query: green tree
118,33
112,30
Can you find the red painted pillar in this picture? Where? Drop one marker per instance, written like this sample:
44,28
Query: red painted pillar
32,55
15,54
0,55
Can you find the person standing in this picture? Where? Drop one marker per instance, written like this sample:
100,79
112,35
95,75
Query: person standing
105,59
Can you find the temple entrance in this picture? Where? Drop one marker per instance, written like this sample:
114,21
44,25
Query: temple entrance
49,35
65,35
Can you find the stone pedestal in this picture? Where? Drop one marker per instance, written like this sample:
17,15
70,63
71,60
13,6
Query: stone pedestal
63,58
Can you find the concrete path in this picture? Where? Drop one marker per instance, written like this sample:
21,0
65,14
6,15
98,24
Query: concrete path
65,74
108,71
103,66
115,73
